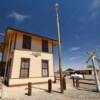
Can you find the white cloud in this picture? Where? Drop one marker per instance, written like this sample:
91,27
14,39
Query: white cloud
18,17
74,48
98,46
77,36
75,58
95,14
94,5
94,9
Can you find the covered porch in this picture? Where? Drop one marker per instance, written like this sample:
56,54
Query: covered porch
2,63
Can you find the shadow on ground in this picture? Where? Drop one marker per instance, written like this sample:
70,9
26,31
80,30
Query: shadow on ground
46,90
87,89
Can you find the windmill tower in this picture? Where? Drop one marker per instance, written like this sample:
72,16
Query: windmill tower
92,58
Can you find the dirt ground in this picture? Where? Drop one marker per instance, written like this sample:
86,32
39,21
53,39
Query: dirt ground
39,92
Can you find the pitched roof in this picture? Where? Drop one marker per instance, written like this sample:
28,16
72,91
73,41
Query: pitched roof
29,33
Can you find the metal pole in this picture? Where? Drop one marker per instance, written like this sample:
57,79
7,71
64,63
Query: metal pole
59,47
95,75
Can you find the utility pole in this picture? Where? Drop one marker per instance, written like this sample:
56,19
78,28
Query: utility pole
93,58
59,47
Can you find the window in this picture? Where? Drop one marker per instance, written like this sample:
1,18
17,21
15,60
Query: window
44,45
24,70
26,42
45,72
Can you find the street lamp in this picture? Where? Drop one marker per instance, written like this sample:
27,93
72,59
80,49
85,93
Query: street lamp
59,47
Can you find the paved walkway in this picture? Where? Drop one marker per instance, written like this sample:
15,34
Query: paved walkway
39,92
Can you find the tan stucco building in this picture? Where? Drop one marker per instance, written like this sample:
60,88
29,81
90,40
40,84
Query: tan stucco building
29,57
85,71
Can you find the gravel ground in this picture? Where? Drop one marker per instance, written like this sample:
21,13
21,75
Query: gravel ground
39,92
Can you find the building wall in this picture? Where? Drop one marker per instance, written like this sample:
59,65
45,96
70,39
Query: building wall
35,68
17,82
36,43
35,63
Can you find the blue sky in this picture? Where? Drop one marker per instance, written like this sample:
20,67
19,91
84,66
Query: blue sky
79,23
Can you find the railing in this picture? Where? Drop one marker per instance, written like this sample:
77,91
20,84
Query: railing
78,81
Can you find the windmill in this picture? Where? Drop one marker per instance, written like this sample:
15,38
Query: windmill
93,58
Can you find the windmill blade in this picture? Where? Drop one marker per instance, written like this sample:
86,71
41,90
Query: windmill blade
97,59
91,54
89,59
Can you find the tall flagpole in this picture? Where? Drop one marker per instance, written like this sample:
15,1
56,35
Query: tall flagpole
59,47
